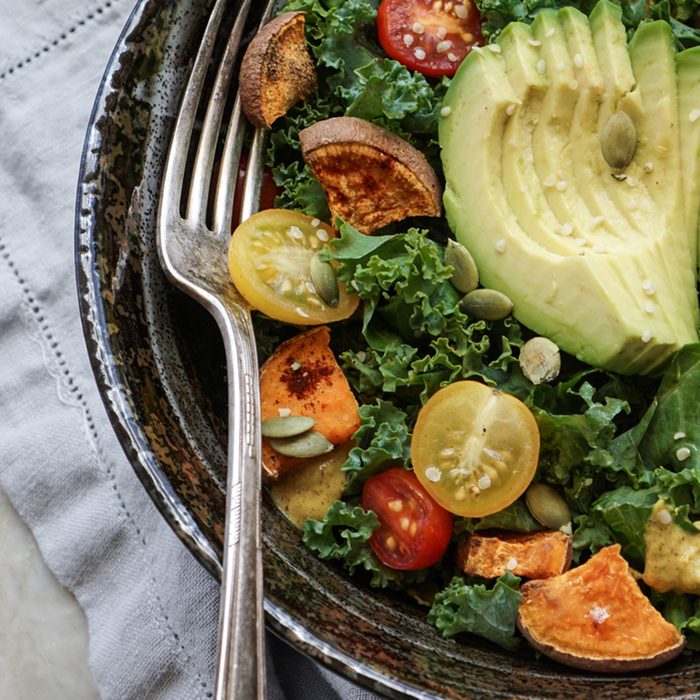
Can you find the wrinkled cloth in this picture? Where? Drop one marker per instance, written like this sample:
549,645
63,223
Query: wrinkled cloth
151,607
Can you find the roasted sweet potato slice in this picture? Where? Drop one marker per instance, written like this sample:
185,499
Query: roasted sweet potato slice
303,378
277,70
371,177
595,617
530,555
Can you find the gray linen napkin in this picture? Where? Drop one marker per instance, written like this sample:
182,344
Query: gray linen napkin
151,608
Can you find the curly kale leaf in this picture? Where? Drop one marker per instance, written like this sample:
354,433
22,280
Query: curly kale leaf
683,611
682,15
618,478
382,438
343,536
487,612
418,339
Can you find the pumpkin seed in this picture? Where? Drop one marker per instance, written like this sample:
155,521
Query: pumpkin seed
465,277
540,360
547,506
618,140
286,426
486,304
307,444
325,280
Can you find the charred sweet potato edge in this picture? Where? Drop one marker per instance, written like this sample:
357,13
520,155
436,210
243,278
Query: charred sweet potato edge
353,136
277,70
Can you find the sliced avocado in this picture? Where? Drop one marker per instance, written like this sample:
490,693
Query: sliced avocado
652,53
609,204
657,164
552,133
620,93
521,53
610,40
525,192
688,69
598,265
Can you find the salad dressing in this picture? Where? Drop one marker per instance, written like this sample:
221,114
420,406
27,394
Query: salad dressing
309,490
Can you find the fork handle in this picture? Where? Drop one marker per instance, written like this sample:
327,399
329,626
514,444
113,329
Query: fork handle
240,670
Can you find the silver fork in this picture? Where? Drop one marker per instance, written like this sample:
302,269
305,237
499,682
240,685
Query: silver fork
193,255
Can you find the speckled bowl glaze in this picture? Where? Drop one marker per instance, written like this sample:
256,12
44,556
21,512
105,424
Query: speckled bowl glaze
159,363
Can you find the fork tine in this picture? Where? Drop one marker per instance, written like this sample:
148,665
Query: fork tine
228,173
174,174
250,200
206,149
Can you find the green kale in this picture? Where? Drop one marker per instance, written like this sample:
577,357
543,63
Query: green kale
683,611
343,535
625,511
676,420
418,339
487,612
381,439
682,15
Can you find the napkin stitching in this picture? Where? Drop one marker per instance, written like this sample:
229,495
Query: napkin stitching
69,394
61,38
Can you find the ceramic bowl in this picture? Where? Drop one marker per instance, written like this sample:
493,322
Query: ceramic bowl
159,363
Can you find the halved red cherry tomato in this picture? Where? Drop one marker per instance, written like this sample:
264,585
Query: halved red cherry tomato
429,36
414,530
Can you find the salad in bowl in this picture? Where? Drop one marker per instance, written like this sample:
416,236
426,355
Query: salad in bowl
476,311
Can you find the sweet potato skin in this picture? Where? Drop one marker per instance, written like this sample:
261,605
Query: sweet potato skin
595,617
530,555
277,70
302,377
371,177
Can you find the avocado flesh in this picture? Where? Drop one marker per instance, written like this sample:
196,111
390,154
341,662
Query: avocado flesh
688,69
652,52
601,201
598,265
551,134
619,93
526,194
621,211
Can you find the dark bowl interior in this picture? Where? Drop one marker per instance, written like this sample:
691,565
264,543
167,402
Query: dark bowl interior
158,359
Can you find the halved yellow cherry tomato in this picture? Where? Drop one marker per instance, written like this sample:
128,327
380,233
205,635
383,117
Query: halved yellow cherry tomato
474,449
269,260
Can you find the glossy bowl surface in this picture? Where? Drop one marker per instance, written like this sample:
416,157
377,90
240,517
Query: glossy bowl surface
159,363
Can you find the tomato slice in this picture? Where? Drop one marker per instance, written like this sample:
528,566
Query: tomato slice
429,36
474,448
414,531
269,260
